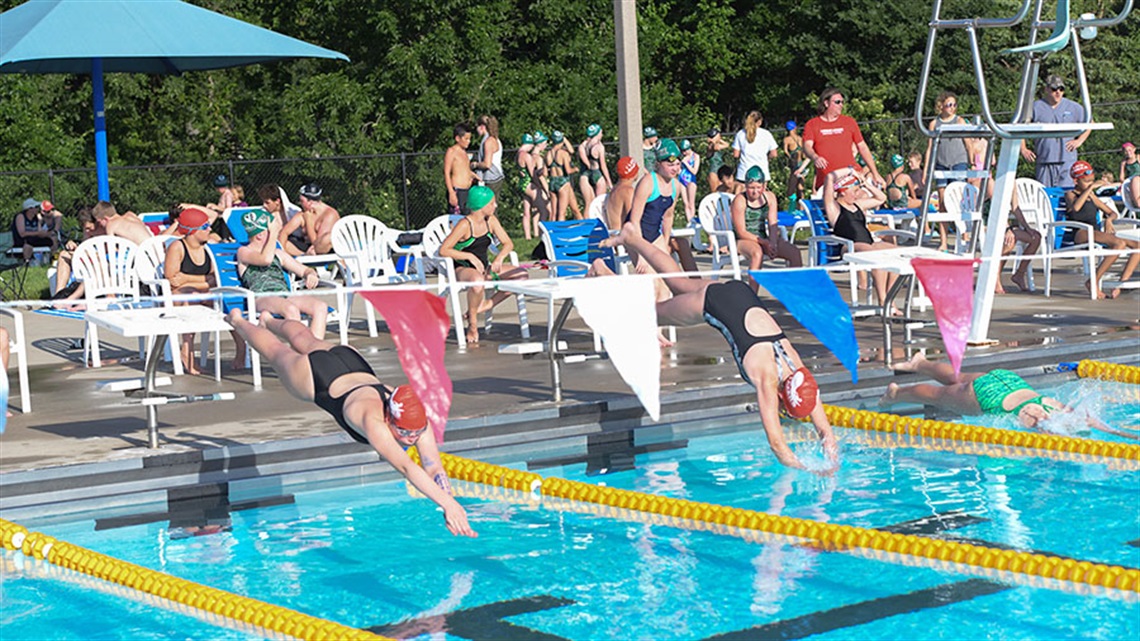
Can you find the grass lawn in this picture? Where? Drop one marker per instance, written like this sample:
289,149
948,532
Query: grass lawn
35,284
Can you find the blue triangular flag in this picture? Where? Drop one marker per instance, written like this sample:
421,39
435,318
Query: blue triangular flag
812,298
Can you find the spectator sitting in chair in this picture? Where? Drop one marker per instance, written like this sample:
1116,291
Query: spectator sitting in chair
64,288
30,230
127,226
262,267
190,269
315,221
1083,206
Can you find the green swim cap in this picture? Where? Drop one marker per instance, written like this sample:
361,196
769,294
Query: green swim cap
754,175
859,159
556,137
539,137
479,197
667,149
256,221
897,161
649,132
593,130
527,139
686,145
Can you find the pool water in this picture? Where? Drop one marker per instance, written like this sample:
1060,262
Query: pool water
372,557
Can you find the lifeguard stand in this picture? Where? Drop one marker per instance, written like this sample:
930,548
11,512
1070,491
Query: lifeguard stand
1009,135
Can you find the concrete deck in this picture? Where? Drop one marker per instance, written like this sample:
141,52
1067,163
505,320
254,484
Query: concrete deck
500,400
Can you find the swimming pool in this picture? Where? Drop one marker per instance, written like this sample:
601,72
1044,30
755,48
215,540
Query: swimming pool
371,557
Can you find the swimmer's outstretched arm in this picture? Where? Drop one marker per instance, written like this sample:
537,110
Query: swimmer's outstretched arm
1100,425
769,403
382,441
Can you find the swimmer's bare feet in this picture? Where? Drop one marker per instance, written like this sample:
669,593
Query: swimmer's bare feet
662,340
472,335
1114,293
486,306
238,363
1099,294
599,268
613,241
912,365
1019,280
888,397
234,316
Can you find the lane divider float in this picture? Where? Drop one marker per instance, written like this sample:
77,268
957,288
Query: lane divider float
1109,371
827,536
232,606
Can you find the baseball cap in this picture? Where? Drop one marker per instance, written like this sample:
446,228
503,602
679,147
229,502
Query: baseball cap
405,411
1080,168
667,150
556,136
479,197
897,161
192,219
790,125
539,138
47,206
221,180
649,132
846,182
626,167
799,393
593,130
254,221
30,203
754,175
1127,145
311,190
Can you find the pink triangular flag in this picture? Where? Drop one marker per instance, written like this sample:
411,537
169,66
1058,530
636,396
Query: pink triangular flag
419,324
949,283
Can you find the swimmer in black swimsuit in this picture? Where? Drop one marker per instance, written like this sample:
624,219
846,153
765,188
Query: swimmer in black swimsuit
340,381
763,354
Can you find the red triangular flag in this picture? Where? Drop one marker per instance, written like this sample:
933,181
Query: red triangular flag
949,283
419,325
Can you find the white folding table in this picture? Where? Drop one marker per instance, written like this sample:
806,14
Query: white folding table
156,324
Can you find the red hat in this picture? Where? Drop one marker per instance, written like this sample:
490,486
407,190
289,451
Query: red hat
799,393
626,167
1080,168
192,219
846,182
405,411
47,206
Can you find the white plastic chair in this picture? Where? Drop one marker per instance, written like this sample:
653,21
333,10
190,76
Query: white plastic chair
1037,210
106,265
366,248
152,282
18,348
960,199
1130,205
715,215
597,210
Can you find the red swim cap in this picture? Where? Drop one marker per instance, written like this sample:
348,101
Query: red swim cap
626,167
799,393
1080,168
405,410
846,182
192,219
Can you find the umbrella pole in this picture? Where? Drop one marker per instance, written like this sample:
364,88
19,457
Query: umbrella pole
100,130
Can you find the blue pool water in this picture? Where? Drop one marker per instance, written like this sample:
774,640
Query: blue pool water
371,557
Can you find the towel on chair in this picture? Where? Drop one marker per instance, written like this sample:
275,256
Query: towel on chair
624,313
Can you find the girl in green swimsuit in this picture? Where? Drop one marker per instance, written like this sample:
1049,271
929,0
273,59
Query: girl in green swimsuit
754,222
998,392
714,150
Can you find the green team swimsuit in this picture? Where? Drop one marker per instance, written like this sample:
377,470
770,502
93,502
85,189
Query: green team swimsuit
757,218
903,200
1131,169
715,162
992,388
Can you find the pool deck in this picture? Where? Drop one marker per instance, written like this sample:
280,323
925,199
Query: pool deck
500,401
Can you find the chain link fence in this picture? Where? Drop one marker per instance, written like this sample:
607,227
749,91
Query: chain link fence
406,190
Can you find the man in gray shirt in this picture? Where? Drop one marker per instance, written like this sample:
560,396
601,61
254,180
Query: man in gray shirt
1054,156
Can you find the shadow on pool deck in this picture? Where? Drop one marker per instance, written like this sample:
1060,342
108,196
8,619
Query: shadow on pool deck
73,423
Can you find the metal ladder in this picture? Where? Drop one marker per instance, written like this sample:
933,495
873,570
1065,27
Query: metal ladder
1065,30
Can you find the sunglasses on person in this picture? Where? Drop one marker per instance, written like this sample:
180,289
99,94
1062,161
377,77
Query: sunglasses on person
1087,172
951,105
190,230
1057,88
837,102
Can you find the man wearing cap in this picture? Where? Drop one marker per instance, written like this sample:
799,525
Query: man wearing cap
1054,157
337,379
649,142
315,221
457,174
594,178
620,201
30,230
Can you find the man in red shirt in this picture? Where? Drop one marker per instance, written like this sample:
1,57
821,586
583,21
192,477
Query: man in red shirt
831,137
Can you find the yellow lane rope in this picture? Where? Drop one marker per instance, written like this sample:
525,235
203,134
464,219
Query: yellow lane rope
828,536
876,421
226,604
1109,371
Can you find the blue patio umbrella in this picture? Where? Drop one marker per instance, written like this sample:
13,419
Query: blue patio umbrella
134,36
